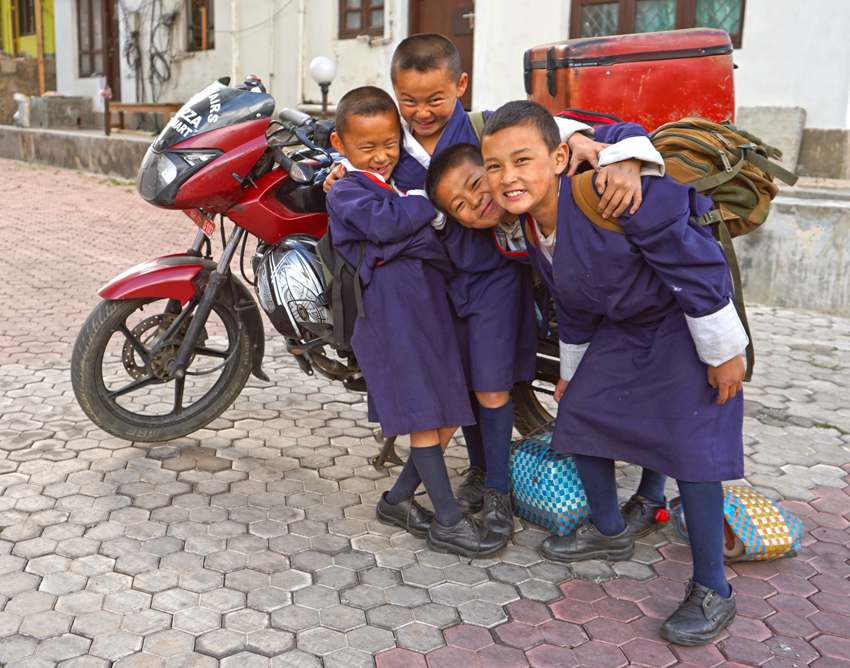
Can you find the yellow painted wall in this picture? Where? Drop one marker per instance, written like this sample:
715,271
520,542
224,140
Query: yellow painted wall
27,43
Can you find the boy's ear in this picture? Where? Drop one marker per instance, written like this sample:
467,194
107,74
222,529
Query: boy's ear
462,84
336,142
562,158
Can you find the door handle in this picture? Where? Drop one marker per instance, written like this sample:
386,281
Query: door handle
471,17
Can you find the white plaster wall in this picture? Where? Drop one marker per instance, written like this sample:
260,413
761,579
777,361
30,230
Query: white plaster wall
504,30
796,54
67,80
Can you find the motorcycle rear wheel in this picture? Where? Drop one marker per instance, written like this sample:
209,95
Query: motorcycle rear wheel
533,405
127,396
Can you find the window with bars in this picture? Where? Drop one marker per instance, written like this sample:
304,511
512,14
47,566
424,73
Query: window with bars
201,25
90,37
360,17
596,18
26,17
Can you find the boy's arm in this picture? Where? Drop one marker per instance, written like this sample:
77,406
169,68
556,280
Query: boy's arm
379,220
629,140
691,263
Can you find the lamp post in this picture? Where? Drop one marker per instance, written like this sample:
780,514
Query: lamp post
323,71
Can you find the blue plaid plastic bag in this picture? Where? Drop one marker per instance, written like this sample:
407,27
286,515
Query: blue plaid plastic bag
545,485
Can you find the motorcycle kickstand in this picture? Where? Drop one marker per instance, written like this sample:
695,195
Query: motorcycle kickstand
387,454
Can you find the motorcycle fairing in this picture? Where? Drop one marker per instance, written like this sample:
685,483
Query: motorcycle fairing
182,276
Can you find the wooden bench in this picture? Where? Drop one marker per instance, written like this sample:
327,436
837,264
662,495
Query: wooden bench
167,109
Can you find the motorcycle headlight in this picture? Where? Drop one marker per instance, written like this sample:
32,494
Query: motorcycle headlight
162,174
198,157
166,170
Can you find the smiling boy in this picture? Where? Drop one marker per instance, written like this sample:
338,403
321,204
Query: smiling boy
651,346
405,345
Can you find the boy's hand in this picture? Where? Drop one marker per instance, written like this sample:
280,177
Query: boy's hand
560,388
728,378
335,175
619,184
583,149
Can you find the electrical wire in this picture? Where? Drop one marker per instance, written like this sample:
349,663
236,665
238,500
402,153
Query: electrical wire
257,25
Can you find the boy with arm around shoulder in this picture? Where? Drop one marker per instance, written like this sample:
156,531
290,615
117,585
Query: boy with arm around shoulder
405,346
650,352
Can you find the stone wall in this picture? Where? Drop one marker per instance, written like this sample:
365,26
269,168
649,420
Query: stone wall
20,75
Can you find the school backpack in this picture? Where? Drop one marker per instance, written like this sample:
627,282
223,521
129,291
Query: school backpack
729,165
343,292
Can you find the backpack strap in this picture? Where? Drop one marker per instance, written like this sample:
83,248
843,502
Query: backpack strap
587,199
358,288
476,120
585,196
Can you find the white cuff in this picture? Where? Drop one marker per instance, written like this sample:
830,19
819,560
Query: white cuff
567,127
439,221
634,147
719,337
571,354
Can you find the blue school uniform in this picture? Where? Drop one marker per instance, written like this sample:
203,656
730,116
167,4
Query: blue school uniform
406,349
492,296
640,393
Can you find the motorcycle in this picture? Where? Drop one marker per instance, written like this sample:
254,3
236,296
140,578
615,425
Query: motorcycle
175,339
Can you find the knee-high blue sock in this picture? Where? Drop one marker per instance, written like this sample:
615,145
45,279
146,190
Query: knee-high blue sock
406,483
702,503
496,427
473,438
600,486
652,485
432,469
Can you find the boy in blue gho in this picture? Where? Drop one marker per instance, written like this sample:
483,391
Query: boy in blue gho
406,345
651,365
457,186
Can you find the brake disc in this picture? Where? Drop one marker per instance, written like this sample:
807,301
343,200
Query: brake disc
147,332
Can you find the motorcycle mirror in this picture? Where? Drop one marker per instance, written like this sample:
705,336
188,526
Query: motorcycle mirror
301,172
224,81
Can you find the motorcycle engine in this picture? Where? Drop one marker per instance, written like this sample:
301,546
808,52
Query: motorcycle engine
290,287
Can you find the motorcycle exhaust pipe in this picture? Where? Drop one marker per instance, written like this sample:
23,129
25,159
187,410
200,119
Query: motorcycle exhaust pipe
331,368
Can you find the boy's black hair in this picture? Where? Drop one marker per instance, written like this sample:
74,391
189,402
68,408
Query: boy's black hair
446,160
424,53
364,101
525,112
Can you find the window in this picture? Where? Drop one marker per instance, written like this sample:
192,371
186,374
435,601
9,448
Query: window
26,17
595,18
360,17
90,37
201,25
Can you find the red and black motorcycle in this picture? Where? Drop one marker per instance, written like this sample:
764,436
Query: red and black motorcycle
176,338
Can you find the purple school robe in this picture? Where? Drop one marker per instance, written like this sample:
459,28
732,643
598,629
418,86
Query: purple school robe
491,294
640,394
406,346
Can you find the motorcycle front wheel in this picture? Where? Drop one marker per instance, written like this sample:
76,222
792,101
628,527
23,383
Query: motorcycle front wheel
119,369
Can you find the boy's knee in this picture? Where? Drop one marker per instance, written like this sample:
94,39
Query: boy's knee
493,399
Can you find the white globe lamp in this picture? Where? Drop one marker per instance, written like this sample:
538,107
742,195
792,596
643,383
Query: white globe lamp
323,71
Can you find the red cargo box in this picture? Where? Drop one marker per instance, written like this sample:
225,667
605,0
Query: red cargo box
648,78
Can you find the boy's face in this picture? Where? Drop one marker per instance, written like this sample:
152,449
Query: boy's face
427,99
465,194
523,174
371,143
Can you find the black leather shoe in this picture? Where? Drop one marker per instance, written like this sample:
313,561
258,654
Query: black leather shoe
639,514
701,617
470,494
408,515
586,542
468,538
498,514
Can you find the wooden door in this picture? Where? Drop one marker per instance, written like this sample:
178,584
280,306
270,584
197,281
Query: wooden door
112,48
452,19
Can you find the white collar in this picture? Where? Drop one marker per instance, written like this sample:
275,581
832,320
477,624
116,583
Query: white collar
351,168
413,147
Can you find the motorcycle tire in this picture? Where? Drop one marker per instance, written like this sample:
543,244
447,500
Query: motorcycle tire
87,365
529,412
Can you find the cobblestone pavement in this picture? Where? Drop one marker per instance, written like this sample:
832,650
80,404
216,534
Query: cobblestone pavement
254,543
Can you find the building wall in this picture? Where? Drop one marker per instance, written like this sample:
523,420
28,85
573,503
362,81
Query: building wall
796,54
28,42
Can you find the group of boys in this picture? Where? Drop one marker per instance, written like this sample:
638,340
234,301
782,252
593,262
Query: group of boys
450,324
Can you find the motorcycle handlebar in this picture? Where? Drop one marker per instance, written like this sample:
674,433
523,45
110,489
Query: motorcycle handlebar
294,118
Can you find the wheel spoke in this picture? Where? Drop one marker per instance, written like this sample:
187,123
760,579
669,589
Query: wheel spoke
131,387
212,352
179,384
137,345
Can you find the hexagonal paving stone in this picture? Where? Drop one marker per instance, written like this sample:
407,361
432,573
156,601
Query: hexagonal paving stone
146,622
419,637
342,618
46,624
363,596
169,643
220,643
64,647
320,640
115,645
